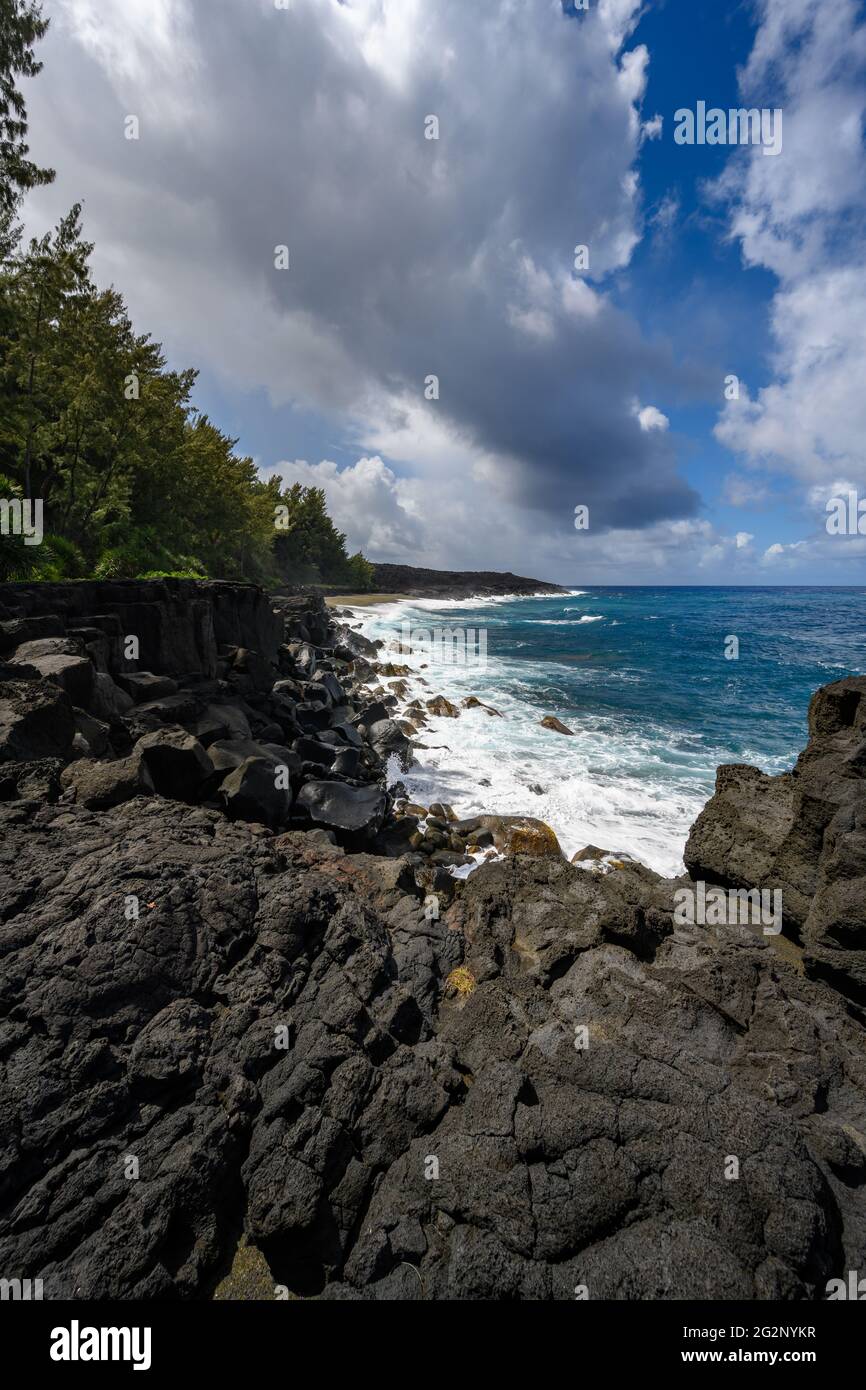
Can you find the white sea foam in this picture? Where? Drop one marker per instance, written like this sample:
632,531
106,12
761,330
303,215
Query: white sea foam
614,787
567,622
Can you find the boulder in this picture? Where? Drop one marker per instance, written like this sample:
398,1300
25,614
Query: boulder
255,791
442,707
36,721
99,786
388,739
61,660
314,752
107,700
177,762
473,702
231,717
801,832
92,736
39,780
227,754
144,685
511,835
337,806
556,726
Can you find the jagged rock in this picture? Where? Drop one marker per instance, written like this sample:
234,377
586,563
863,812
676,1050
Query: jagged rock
340,807
181,708
38,780
802,833
590,854
92,736
107,700
144,685
36,721
551,722
472,702
442,707
287,1035
99,786
511,834
314,752
61,660
177,762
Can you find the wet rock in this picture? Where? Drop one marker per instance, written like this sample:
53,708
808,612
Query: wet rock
511,834
388,739
472,702
338,806
442,707
551,722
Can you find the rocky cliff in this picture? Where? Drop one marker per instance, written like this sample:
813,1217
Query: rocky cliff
249,1019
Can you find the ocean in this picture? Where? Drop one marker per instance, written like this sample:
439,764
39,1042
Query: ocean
641,677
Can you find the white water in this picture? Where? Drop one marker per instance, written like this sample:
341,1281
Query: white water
603,786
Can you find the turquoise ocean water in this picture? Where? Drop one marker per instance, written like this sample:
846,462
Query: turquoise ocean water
640,676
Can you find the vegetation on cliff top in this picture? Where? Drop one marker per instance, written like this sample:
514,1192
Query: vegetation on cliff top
132,478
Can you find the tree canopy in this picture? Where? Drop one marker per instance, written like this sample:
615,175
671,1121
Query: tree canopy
133,479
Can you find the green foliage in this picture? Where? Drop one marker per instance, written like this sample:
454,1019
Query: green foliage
133,480
309,546
361,573
21,26
172,574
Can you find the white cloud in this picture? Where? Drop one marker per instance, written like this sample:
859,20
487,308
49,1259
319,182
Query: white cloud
409,257
652,419
801,216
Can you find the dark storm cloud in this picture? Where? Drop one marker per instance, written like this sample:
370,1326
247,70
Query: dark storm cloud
305,127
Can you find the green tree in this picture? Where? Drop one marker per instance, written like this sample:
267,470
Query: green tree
21,27
361,573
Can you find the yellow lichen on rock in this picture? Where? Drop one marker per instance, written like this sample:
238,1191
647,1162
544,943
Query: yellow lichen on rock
461,982
533,837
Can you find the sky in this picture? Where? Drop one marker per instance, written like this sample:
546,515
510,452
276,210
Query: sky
429,347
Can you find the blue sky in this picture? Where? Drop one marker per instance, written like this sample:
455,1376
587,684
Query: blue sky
305,127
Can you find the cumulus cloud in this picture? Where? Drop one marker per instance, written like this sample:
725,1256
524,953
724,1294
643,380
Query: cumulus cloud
409,257
801,216
651,418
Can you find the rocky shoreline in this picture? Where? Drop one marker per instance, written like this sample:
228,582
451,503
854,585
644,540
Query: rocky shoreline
250,1015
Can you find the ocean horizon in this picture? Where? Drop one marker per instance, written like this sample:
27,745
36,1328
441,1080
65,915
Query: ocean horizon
640,676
